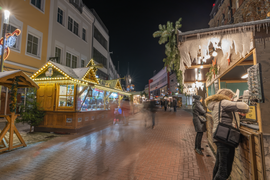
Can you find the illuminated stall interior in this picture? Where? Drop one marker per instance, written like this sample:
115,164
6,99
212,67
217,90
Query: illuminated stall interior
71,97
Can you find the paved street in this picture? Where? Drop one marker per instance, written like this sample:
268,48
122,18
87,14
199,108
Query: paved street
116,152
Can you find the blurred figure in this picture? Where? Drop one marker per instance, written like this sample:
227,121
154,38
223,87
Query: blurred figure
113,114
170,104
153,110
200,127
165,104
174,104
126,110
145,111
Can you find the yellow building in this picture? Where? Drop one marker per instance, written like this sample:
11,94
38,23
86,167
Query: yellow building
32,18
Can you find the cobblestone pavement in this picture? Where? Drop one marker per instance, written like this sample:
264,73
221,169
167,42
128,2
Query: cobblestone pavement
117,152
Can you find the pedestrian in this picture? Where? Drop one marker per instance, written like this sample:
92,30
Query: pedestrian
125,105
199,124
153,110
161,103
165,104
174,104
222,103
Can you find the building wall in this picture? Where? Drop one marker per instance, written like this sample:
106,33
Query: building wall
159,80
30,20
67,41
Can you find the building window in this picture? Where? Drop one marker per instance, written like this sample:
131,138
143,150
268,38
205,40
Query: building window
84,34
237,4
76,28
38,3
98,57
74,62
60,16
70,23
32,44
66,96
102,75
68,59
82,63
99,37
58,54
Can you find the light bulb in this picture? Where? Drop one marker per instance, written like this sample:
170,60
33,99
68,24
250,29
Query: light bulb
244,76
201,67
214,54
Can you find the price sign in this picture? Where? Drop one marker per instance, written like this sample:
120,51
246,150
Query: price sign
252,113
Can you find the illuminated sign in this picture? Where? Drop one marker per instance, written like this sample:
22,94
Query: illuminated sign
10,41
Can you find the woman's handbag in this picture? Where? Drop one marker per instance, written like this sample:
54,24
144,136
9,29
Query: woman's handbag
227,134
202,118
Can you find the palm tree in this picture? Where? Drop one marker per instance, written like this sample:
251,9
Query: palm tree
168,35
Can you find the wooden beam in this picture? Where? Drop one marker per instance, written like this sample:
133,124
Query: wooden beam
244,63
190,82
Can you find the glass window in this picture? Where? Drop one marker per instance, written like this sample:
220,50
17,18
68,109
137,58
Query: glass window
99,37
82,63
37,3
68,59
98,57
70,23
60,16
32,45
76,28
58,54
74,61
66,96
84,34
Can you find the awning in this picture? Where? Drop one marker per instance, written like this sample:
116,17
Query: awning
112,90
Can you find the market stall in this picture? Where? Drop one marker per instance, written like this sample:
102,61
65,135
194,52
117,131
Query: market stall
74,99
236,56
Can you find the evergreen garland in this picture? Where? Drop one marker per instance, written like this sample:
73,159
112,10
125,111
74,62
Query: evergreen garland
168,33
13,98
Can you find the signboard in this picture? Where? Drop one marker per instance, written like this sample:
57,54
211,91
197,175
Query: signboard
252,113
86,118
69,120
79,119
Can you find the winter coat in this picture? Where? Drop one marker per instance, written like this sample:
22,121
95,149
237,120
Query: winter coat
174,103
152,106
197,109
227,109
166,103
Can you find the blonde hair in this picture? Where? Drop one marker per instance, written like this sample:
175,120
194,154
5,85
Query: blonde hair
226,92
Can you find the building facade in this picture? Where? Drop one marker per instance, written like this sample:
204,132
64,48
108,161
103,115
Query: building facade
237,11
30,51
159,84
173,84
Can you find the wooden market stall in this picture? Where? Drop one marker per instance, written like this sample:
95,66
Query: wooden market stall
74,99
13,80
239,56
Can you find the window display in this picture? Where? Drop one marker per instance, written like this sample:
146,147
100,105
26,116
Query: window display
66,95
91,100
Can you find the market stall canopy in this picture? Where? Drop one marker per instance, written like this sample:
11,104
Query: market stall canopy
7,79
115,84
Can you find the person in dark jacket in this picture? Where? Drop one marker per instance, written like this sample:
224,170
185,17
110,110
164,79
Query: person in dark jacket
174,104
153,110
225,153
200,127
165,104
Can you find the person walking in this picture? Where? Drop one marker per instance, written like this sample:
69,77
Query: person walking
165,104
200,126
169,104
153,110
174,104
125,106
222,103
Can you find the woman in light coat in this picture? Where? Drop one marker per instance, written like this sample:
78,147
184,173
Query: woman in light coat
200,127
225,153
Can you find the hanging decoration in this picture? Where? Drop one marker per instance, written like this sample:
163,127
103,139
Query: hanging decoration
213,71
13,97
10,41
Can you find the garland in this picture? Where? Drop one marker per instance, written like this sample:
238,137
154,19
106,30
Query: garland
213,71
13,98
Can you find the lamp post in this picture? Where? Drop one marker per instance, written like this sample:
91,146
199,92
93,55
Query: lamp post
5,23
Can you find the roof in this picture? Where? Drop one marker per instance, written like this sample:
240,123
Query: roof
69,71
220,28
80,72
7,78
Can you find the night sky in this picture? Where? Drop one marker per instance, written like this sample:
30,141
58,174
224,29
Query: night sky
131,25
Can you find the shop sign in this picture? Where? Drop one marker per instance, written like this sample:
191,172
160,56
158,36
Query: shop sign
252,113
93,117
69,120
79,119
86,118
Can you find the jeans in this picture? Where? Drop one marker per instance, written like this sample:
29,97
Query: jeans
165,108
198,140
224,161
174,108
153,119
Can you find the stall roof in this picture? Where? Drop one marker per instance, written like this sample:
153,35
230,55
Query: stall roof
112,90
7,78
111,83
69,71
230,26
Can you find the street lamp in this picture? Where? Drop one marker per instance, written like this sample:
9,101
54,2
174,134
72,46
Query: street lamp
5,23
